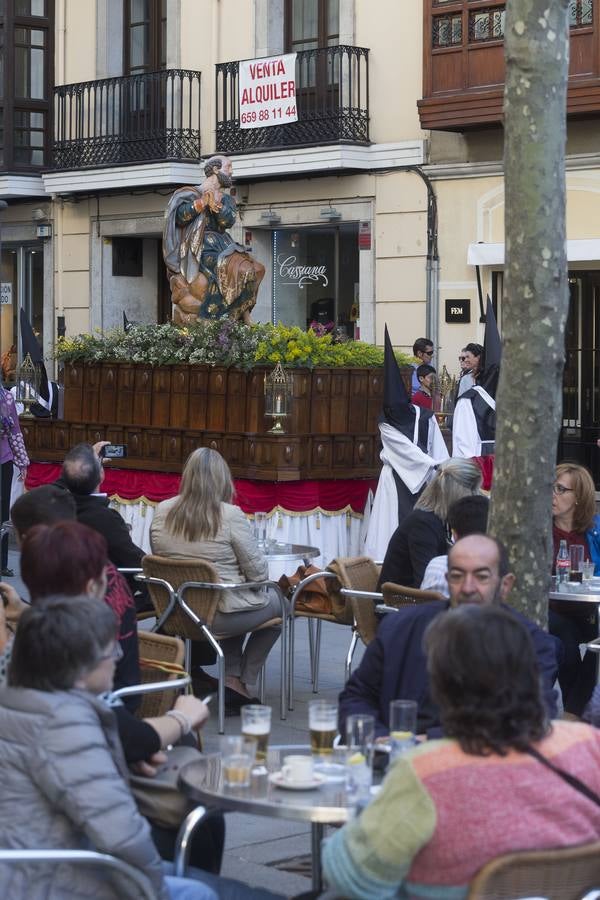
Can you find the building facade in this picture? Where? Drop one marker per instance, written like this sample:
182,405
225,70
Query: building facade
383,203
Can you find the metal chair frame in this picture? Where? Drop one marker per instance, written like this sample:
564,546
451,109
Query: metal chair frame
314,641
177,598
83,858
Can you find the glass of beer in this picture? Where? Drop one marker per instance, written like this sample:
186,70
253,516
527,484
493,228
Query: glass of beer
322,722
256,725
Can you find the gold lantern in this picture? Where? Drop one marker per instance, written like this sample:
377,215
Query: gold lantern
28,385
278,396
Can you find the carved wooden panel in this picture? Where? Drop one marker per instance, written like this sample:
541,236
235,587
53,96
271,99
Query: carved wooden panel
339,397
255,402
161,396
172,447
180,397
320,401
142,401
73,383
198,397
217,395
235,407
90,394
109,386
299,420
357,400
125,394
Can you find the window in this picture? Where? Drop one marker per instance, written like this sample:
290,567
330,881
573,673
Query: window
145,36
26,77
486,25
581,13
447,30
311,24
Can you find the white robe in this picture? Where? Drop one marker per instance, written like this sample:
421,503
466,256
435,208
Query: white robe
412,466
466,441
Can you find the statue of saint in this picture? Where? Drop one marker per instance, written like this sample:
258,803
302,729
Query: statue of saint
210,275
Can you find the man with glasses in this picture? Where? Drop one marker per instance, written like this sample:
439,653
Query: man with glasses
394,665
423,350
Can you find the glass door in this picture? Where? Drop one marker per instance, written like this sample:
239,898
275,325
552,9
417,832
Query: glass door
581,381
21,287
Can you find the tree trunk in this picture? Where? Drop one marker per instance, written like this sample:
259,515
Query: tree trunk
529,398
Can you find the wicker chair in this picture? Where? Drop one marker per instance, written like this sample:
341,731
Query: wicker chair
161,659
186,595
353,581
563,874
397,596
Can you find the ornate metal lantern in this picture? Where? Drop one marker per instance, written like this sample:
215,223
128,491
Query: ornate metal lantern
444,403
28,385
278,396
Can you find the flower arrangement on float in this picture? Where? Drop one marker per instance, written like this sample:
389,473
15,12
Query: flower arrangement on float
222,343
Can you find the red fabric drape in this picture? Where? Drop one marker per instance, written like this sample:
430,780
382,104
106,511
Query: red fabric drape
252,496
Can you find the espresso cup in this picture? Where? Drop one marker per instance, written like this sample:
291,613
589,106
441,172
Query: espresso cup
297,769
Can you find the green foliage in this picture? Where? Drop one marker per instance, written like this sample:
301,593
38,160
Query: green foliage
223,343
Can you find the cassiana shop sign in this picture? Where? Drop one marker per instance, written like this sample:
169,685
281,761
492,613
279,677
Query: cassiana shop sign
292,272
267,91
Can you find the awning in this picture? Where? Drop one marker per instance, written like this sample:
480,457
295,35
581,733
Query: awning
483,254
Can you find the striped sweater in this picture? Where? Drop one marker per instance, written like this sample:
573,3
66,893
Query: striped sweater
442,814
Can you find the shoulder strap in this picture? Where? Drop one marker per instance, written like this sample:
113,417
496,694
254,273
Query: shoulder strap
566,776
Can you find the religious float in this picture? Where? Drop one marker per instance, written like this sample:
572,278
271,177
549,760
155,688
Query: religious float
303,448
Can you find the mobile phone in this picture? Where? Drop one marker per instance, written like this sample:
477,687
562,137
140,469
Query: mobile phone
114,451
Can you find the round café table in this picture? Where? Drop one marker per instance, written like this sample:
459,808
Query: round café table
580,597
202,782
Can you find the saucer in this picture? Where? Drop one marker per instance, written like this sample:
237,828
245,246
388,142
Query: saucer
279,781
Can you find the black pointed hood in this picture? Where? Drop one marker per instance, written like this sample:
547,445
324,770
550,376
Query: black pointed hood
492,344
397,408
31,345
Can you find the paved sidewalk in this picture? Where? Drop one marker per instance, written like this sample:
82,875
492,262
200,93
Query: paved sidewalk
255,845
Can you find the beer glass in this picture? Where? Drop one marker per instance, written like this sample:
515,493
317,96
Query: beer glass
237,759
256,725
322,722
576,554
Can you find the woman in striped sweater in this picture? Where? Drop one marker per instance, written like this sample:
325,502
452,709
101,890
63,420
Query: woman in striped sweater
486,789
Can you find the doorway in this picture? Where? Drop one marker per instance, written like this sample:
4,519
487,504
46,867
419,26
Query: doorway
581,380
22,287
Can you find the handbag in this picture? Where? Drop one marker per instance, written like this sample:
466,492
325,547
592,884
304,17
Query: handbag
315,597
159,798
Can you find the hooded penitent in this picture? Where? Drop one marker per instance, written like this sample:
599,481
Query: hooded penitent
398,411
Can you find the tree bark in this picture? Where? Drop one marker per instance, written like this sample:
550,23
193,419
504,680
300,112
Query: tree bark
536,300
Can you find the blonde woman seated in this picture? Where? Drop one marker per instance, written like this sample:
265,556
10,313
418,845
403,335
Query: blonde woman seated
202,523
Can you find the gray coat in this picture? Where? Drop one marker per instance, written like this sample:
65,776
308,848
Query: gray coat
64,786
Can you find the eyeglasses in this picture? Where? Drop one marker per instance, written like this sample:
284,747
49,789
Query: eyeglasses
116,654
427,352
461,358
561,489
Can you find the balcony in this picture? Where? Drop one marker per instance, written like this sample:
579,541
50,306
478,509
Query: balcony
152,117
463,63
332,93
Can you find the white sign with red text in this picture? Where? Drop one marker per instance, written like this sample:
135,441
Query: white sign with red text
268,91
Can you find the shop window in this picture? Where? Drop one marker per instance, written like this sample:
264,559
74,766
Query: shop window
315,276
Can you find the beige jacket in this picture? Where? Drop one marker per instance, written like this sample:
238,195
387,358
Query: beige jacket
233,552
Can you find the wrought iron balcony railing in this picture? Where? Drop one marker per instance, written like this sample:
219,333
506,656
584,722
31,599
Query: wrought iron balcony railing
137,118
332,93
